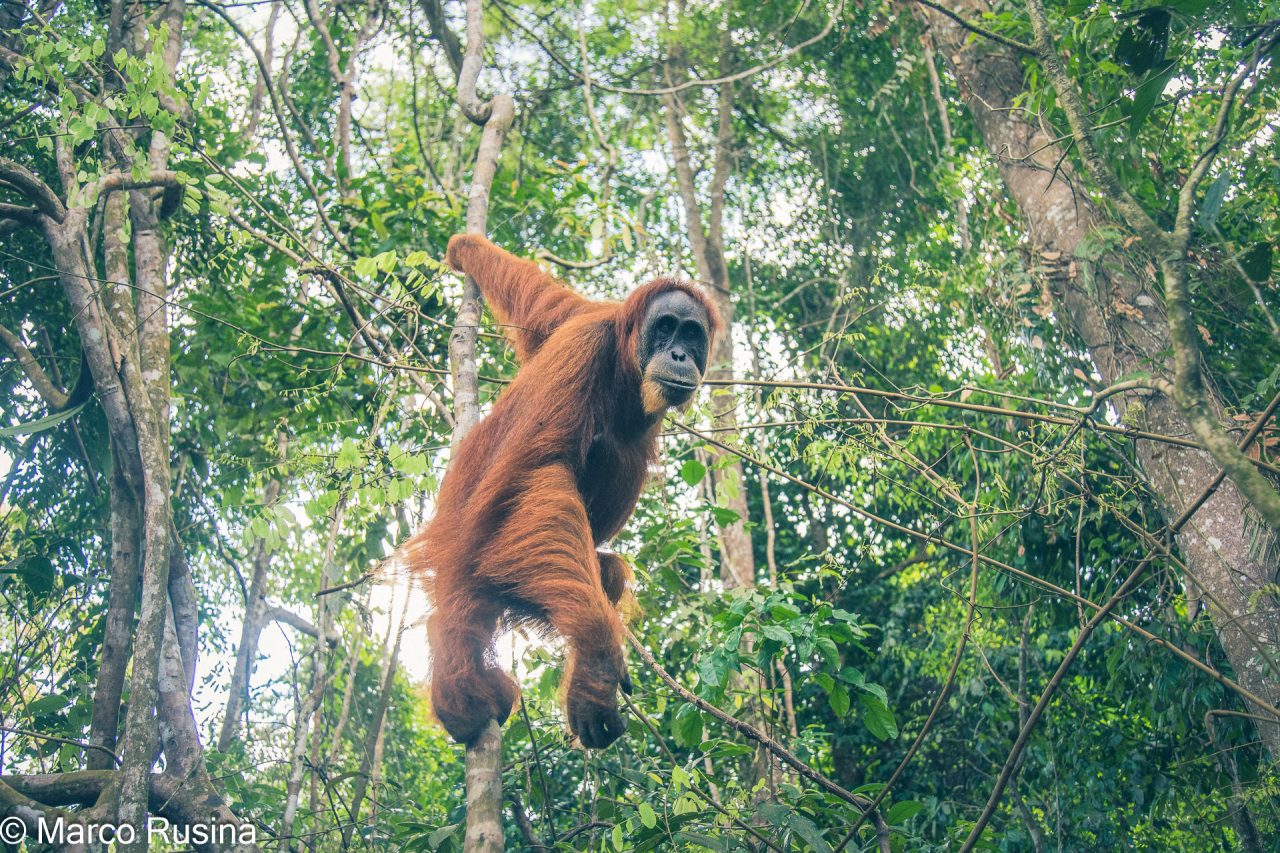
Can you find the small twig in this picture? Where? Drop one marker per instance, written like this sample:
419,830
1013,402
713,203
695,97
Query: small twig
330,590
68,741
982,31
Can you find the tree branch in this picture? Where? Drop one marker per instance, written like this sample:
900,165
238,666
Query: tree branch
54,397
981,31
293,620
441,32
24,181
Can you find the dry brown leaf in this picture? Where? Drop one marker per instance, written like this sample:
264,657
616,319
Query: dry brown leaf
1124,309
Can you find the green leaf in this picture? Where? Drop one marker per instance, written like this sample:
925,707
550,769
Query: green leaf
1142,45
687,727
784,612
777,632
680,777
37,573
723,516
692,471
878,718
698,840
812,836
435,839
1256,262
1212,204
827,648
902,812
1144,99
838,697
48,704
647,816
379,226
708,671
47,422
348,455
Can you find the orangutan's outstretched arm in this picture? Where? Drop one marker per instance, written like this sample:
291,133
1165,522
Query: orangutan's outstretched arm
527,302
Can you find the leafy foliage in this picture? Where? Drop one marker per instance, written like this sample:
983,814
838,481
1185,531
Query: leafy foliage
871,245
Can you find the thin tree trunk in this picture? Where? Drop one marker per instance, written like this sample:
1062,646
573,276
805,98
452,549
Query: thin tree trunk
484,757
117,638
293,785
706,239
766,503
948,145
707,242
260,86
371,755
348,693
255,619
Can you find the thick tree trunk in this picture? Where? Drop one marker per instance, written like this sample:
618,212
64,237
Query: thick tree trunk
1112,306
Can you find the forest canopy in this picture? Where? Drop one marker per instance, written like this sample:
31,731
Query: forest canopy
970,542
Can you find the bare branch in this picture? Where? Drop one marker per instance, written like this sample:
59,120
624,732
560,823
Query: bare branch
979,30
24,181
440,30
53,396
293,620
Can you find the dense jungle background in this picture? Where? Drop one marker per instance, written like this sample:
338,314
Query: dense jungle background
970,544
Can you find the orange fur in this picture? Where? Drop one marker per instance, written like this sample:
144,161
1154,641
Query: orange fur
535,489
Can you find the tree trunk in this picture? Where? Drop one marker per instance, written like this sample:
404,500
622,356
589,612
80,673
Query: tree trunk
117,638
737,559
1114,309
255,619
